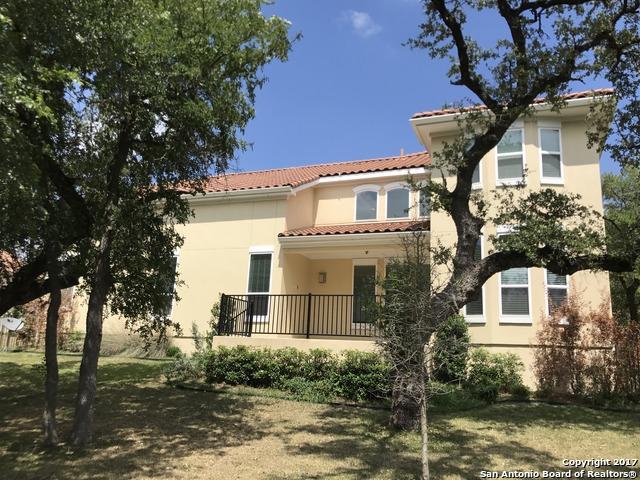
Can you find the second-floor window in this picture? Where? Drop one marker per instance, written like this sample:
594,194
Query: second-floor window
424,204
397,201
551,155
557,287
366,203
510,157
476,179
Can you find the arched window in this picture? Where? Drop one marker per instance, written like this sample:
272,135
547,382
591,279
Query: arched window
366,202
397,200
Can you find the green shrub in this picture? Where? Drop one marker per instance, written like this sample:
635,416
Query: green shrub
317,391
319,364
73,342
362,376
520,392
172,351
489,374
451,350
237,366
285,363
316,375
185,369
448,397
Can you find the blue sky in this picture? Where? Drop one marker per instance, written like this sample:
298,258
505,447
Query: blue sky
350,86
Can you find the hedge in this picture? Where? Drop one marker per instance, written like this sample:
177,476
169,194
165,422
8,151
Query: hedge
352,375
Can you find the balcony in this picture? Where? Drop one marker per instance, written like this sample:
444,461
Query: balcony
301,315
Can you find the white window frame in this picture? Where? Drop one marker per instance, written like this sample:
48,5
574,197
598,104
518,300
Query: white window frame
418,213
563,321
261,250
366,188
514,319
512,181
396,186
361,262
475,185
477,319
478,185
176,255
550,126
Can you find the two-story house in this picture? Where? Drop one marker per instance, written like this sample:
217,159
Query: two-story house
293,254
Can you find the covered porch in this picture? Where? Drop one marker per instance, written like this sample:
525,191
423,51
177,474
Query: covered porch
330,284
303,315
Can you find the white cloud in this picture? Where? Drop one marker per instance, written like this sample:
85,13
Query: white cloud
362,23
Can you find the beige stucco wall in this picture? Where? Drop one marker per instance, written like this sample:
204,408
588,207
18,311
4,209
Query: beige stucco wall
301,209
215,256
336,204
582,176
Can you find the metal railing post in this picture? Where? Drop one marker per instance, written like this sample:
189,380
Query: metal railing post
308,314
248,325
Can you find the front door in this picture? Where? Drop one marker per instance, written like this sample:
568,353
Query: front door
364,293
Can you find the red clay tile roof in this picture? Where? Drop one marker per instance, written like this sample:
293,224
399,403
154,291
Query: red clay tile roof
537,101
296,176
351,228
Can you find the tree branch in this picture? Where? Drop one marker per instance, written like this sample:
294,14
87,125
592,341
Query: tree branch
468,77
27,284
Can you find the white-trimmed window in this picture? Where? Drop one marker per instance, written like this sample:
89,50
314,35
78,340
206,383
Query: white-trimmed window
550,155
424,204
366,202
557,287
515,298
510,157
259,282
397,200
476,178
474,310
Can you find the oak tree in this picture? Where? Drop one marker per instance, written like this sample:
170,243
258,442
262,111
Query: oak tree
124,108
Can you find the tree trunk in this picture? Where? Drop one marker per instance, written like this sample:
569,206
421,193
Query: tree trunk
51,360
424,424
51,349
87,384
405,406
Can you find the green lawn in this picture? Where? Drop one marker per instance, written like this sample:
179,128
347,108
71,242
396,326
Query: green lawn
145,429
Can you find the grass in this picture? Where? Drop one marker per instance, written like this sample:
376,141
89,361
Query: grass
145,429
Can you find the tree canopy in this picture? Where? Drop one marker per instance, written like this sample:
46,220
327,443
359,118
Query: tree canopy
105,108
546,46
111,112
622,213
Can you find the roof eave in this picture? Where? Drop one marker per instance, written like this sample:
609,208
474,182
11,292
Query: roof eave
252,194
338,239
540,107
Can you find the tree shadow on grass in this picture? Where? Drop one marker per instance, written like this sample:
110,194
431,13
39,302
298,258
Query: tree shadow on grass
146,429
139,429
462,444
366,448
515,416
